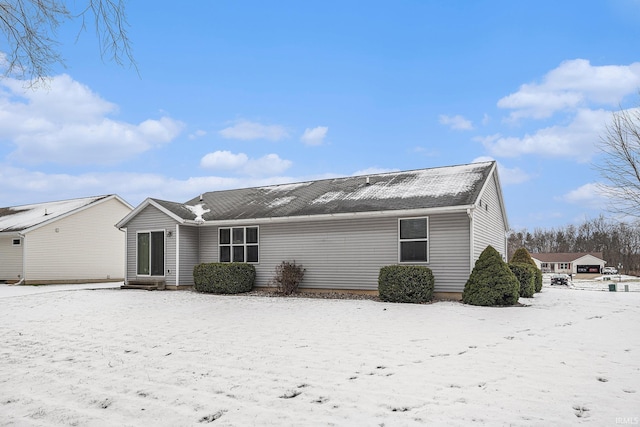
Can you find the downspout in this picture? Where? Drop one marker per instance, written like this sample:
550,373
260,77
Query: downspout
24,259
471,239
126,255
177,255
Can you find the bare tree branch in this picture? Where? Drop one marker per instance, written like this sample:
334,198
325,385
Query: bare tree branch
620,166
29,27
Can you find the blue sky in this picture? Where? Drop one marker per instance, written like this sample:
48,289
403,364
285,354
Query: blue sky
231,94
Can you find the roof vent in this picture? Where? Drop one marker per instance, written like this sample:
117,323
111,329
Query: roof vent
367,182
45,212
201,197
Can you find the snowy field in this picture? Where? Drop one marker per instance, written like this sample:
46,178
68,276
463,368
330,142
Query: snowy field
137,358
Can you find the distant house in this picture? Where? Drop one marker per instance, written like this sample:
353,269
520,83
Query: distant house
569,263
69,241
341,230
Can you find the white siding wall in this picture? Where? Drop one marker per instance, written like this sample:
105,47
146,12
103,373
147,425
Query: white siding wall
82,246
10,259
152,219
488,222
348,254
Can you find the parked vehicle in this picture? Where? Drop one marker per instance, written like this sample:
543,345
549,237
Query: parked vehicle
560,279
609,270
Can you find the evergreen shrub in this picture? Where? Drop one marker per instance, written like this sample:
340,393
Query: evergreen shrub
224,277
526,274
522,255
491,282
406,283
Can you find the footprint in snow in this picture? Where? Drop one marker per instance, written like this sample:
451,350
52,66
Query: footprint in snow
212,417
291,394
581,411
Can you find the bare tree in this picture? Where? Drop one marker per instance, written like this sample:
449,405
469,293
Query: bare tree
29,28
620,166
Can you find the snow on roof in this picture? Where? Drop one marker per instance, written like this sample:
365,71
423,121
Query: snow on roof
198,210
421,183
449,186
19,218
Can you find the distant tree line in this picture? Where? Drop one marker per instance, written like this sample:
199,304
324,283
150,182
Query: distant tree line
619,242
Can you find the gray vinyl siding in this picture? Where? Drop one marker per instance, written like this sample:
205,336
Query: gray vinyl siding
348,253
189,244
152,219
489,223
449,251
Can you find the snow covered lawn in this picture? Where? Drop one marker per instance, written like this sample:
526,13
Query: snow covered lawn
114,357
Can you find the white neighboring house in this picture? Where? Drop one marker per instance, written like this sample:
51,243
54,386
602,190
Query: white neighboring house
68,241
569,262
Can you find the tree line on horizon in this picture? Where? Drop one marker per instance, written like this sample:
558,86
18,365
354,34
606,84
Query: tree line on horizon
618,241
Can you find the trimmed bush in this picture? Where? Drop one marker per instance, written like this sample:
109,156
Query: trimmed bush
526,275
491,282
522,256
405,283
224,277
288,277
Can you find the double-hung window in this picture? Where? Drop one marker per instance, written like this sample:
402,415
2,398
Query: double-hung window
238,244
413,239
150,247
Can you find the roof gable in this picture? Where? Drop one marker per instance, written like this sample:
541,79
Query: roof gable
444,187
25,217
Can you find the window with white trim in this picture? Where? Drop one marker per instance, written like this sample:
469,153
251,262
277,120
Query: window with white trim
150,253
564,265
238,244
17,242
413,239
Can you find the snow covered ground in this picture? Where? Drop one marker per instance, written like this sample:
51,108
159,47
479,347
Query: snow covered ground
133,358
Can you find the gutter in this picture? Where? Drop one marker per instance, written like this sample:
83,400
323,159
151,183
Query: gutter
301,218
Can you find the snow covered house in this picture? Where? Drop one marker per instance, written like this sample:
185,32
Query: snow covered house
69,241
341,230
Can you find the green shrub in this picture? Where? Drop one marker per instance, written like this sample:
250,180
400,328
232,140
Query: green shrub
491,282
522,256
526,274
405,283
224,278
288,277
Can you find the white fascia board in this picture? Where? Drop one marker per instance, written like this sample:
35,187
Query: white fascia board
327,217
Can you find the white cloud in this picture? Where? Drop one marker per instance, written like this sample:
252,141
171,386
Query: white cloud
589,195
268,165
246,130
314,136
573,84
271,164
575,142
224,160
455,122
508,176
67,124
197,134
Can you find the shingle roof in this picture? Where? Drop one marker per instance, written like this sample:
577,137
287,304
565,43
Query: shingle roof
418,189
20,218
564,256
